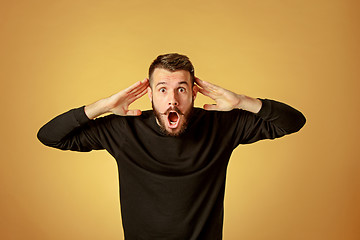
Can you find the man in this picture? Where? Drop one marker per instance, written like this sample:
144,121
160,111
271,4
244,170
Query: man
172,160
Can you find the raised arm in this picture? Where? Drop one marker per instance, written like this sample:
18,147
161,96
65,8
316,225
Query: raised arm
74,130
265,119
119,102
227,100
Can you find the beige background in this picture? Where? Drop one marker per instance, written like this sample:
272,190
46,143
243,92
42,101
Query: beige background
58,55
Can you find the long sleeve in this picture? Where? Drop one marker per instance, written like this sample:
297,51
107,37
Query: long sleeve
72,130
274,120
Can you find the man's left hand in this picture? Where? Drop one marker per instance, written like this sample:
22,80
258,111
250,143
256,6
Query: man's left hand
226,100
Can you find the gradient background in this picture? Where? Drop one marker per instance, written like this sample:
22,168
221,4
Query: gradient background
58,55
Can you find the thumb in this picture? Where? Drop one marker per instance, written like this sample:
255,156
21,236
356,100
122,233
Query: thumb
211,107
135,112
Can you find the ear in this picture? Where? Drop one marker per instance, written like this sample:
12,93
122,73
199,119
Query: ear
195,91
149,93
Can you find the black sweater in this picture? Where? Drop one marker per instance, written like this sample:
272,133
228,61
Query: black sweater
171,187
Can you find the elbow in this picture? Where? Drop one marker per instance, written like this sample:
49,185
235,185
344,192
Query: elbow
41,136
298,124
303,121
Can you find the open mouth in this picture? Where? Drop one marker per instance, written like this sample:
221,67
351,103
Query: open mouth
173,119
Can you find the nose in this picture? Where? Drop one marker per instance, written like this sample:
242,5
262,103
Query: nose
173,101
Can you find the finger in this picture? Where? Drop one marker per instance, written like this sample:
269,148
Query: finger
145,82
211,107
137,85
197,81
204,92
207,93
135,112
208,86
139,90
137,96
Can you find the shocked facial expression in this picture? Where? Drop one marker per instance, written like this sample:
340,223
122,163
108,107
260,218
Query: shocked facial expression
172,95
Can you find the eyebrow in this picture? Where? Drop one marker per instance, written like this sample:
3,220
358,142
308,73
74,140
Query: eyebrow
164,83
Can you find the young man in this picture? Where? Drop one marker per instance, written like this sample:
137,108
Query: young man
172,160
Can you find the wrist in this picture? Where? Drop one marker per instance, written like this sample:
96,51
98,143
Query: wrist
249,104
97,108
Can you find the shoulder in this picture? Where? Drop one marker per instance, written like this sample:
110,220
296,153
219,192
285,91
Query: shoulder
216,118
118,118
200,112
123,124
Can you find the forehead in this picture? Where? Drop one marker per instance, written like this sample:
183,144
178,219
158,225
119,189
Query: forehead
168,77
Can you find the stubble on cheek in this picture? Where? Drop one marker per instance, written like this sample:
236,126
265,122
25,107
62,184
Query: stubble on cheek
161,120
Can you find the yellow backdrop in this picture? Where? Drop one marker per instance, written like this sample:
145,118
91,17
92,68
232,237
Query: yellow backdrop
58,55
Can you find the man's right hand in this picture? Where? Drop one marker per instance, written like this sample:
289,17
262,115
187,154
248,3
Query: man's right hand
119,102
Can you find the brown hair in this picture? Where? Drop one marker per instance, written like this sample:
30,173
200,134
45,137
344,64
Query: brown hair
172,62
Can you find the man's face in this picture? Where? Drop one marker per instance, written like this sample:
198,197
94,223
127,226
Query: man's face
172,95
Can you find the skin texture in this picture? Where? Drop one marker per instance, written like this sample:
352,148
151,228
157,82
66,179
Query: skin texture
119,103
172,95
171,92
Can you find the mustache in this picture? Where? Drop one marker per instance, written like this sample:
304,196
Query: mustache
172,109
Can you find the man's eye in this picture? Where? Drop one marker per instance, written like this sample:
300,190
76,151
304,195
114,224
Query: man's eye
162,90
182,90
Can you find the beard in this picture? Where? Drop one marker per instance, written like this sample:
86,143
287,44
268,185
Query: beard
162,124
